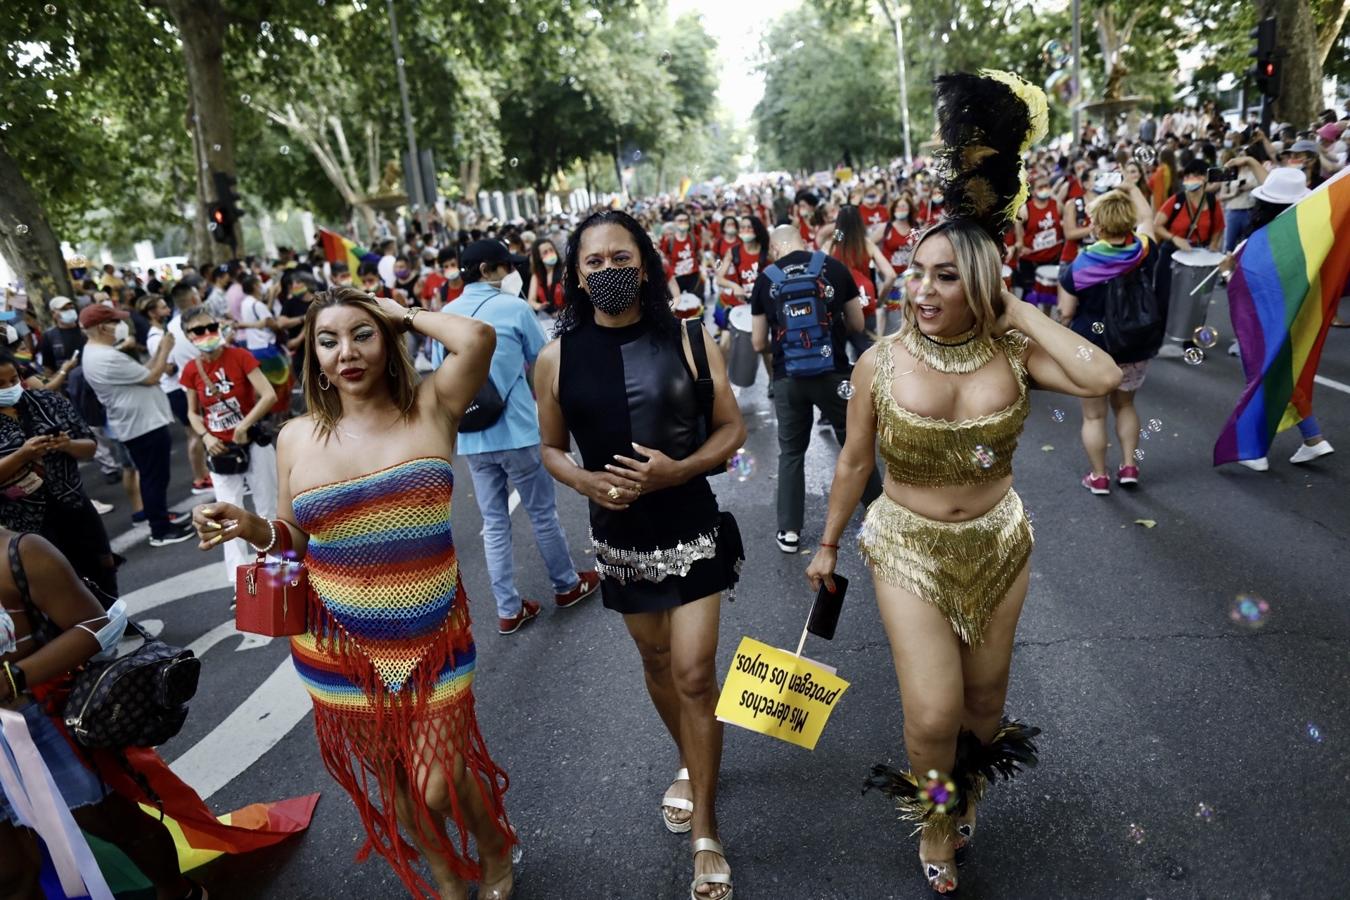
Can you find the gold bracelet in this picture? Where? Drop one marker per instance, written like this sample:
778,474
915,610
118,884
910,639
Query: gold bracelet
13,685
409,316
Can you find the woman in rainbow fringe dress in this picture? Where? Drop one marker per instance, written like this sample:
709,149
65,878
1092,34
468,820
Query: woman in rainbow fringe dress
364,483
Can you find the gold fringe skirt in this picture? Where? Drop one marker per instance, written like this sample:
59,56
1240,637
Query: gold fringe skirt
963,568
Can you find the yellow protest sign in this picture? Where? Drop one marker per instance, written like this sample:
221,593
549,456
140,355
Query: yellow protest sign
776,693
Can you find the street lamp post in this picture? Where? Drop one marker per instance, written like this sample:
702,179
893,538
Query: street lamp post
414,164
904,89
1077,61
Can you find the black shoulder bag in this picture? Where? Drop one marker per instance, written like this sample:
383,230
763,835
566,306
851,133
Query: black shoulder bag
137,700
489,403
704,388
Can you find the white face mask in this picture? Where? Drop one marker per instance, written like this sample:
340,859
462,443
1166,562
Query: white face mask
120,332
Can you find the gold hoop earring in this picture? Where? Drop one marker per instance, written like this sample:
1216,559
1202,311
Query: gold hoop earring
324,383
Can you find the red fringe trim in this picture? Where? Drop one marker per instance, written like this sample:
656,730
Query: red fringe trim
366,752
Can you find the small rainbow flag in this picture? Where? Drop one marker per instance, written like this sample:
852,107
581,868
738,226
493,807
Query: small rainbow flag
339,249
1288,280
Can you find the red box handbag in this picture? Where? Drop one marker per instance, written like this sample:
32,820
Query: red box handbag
272,598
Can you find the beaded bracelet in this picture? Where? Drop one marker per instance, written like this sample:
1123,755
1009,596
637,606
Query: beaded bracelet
272,529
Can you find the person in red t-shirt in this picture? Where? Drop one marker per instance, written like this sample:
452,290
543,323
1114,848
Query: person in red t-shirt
871,210
1191,219
896,241
850,245
1040,240
227,394
546,278
447,273
806,205
682,258
727,237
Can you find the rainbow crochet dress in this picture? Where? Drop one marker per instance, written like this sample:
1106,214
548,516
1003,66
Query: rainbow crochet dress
389,657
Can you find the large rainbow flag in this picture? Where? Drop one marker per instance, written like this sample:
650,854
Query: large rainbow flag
1287,282
339,249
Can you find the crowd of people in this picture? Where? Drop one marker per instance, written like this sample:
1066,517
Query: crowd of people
912,307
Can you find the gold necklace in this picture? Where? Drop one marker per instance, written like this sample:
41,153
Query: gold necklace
956,356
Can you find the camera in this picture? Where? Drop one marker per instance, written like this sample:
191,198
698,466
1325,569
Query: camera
1217,174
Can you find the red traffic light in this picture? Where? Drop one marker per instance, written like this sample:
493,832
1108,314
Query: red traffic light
1269,68
219,216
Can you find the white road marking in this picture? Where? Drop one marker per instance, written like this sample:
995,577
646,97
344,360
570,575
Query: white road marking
1333,384
511,503
185,584
253,728
223,632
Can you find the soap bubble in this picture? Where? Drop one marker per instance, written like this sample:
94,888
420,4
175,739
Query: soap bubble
1249,609
1193,356
1155,425
1084,353
845,390
285,149
665,57
826,351
399,62
838,236
984,456
20,228
1138,454
513,161
542,27
246,99
215,147
1057,415
1204,812
1145,155
1098,327
1314,733
741,464
1135,833
1144,434
50,9
1205,337
637,154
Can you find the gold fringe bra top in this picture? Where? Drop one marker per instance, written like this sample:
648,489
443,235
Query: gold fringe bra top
930,452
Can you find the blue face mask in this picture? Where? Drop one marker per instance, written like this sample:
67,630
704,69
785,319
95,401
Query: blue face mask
111,632
9,397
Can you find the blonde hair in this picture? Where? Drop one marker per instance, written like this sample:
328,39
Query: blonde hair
977,262
1113,215
325,406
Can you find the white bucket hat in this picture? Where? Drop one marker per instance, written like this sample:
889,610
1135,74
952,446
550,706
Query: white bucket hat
1284,186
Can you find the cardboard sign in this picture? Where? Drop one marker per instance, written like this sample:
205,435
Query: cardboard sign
776,693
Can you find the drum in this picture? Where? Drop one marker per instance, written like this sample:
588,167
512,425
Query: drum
1185,312
742,362
688,306
1045,291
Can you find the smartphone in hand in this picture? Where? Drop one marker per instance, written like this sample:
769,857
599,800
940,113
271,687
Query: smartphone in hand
825,611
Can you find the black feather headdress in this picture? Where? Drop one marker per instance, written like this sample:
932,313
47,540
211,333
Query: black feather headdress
986,122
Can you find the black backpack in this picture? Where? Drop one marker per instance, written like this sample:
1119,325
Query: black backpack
1132,317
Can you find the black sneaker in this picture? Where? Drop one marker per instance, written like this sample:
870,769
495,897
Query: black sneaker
177,533
788,541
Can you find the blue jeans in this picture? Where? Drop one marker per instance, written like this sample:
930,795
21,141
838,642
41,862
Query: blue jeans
1235,227
494,474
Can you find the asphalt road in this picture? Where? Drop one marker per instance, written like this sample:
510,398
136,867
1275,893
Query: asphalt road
1152,700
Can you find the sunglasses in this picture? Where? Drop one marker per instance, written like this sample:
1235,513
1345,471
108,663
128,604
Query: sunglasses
199,330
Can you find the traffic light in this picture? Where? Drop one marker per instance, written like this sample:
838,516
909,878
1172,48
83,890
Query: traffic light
1266,72
221,221
224,214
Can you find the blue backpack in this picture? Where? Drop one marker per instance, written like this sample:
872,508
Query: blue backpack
803,319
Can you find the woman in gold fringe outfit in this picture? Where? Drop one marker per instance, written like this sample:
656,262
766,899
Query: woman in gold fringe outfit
948,542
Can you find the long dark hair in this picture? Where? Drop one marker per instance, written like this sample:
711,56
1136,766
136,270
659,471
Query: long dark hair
761,238
851,237
547,277
653,296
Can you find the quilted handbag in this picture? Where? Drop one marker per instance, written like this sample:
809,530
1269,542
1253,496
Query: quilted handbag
137,700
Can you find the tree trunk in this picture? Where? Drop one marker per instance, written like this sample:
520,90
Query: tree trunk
472,181
1300,96
1331,29
27,241
201,27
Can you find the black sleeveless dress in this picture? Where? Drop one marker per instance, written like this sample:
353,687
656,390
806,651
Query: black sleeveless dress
618,386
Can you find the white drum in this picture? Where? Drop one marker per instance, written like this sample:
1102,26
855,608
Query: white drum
1185,312
742,362
1047,277
688,306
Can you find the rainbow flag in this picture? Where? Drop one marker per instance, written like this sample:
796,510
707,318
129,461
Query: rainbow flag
1287,282
339,249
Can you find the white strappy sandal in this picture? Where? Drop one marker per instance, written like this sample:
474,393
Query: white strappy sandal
708,845
668,800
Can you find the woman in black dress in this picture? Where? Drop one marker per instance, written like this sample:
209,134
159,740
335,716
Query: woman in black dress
621,380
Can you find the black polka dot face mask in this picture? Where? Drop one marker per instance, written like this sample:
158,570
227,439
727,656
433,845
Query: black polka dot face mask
614,290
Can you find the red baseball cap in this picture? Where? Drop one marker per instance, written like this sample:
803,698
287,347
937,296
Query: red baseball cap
98,313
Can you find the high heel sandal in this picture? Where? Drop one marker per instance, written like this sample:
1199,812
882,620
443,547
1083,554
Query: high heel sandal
673,802
965,834
708,845
941,875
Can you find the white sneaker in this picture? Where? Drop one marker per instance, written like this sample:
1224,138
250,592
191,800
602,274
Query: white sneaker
788,541
1306,453
1260,464
100,507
